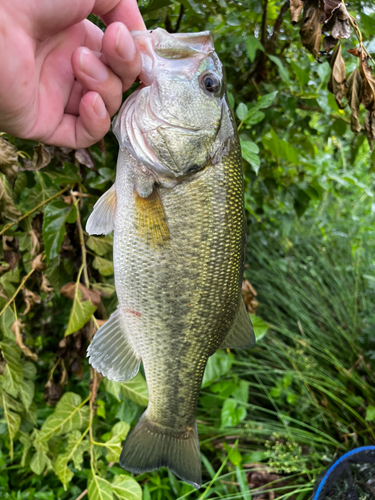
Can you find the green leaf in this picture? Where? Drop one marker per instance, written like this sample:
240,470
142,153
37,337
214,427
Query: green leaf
136,390
39,462
104,266
27,390
74,451
217,365
100,246
68,416
99,489
28,370
126,488
370,413
113,388
283,72
12,376
254,117
114,445
266,100
56,214
232,413
249,153
12,419
242,111
69,174
260,326
80,313
252,45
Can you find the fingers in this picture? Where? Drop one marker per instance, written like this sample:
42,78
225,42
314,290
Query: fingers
96,76
122,54
125,11
88,128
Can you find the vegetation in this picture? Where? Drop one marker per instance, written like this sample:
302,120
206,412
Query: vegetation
270,419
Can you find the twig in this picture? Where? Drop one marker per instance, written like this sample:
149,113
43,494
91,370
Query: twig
278,24
264,23
179,19
84,492
81,241
8,226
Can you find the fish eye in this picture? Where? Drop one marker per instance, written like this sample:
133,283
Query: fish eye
210,82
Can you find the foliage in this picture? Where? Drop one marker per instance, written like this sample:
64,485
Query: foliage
305,392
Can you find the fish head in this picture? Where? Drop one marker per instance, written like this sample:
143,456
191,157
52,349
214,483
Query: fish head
173,123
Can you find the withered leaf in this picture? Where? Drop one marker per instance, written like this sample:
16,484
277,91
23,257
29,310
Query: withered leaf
336,84
339,24
84,157
46,286
11,252
38,263
69,289
368,97
370,127
34,241
329,43
330,6
355,52
354,85
7,207
16,330
41,158
30,298
8,160
311,31
296,7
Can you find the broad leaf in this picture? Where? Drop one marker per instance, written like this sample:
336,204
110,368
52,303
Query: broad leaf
104,266
136,390
67,417
126,488
56,214
336,84
355,88
232,413
74,451
249,153
99,489
80,313
12,376
100,246
27,390
260,326
252,45
217,365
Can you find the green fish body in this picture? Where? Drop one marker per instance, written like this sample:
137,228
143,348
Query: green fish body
179,239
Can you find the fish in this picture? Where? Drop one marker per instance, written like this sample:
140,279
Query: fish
177,212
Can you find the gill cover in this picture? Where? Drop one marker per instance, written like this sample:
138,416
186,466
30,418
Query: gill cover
172,122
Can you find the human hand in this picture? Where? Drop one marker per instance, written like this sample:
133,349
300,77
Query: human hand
61,77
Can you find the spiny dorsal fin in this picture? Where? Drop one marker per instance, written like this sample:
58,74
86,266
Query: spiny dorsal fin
111,352
241,333
102,219
150,218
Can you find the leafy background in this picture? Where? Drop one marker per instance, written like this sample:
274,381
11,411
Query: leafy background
271,419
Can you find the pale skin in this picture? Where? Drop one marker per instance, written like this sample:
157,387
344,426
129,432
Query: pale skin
61,77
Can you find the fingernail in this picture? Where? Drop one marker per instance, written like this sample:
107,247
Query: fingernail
99,107
91,65
125,46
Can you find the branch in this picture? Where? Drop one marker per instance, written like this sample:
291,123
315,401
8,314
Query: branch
180,16
278,24
264,23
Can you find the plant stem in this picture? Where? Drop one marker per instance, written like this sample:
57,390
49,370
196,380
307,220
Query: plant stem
24,279
8,226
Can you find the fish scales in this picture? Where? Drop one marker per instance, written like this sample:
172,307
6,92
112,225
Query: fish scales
177,211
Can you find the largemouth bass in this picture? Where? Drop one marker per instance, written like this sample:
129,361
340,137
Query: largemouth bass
177,212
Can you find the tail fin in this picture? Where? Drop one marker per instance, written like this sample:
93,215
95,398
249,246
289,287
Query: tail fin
150,446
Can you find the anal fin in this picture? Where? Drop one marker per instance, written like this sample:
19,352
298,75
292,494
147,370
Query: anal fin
241,333
111,353
102,219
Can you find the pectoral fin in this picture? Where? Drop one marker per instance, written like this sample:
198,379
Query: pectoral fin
111,352
241,334
150,218
102,219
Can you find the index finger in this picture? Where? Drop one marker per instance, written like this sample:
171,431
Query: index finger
124,11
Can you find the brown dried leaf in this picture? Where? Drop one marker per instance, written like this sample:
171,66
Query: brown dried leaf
68,291
370,127
296,7
30,298
336,84
368,97
38,263
34,241
330,6
84,157
8,160
11,253
248,295
52,393
46,286
7,207
355,52
339,24
41,158
16,328
354,85
329,43
311,31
